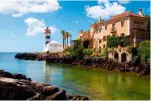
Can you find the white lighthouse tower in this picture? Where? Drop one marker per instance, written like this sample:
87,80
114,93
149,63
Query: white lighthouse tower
47,33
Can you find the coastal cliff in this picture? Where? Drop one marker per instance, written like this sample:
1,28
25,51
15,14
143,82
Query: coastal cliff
141,69
19,87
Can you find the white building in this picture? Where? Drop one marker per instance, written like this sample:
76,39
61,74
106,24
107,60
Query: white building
53,46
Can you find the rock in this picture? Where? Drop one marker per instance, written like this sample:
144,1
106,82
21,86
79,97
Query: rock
15,76
76,97
97,62
60,95
20,76
12,89
49,90
5,74
15,89
19,87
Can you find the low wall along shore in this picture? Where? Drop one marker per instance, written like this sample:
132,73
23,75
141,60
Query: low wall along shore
139,68
19,87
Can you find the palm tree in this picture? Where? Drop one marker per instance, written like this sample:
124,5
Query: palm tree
70,38
67,36
63,34
65,39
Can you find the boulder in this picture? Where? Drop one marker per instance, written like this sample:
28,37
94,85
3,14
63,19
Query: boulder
20,76
5,74
12,89
15,89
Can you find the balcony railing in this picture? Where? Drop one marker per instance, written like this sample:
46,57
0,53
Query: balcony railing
113,30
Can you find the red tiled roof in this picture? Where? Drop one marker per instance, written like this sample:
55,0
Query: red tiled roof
86,35
124,15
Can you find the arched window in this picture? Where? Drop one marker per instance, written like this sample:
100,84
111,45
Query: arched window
116,56
104,46
100,41
100,49
123,57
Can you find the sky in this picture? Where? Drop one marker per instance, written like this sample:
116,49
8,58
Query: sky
22,21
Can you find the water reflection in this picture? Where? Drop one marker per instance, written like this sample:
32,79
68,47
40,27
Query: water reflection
96,85
52,75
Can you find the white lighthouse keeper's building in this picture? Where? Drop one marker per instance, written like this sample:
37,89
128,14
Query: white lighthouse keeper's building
51,46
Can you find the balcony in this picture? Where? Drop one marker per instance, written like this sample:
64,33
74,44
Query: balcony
113,30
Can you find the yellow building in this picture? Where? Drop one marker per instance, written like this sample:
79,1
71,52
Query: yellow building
125,24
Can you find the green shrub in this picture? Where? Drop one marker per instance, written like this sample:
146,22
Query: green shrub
68,49
105,54
135,59
129,49
144,51
87,52
76,53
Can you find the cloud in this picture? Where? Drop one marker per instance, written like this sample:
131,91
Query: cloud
36,26
104,9
123,1
17,8
76,21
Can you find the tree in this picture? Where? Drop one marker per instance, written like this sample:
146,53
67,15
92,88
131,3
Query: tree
63,34
70,38
144,51
67,36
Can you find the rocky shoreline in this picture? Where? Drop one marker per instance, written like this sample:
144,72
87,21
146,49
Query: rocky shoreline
19,87
142,69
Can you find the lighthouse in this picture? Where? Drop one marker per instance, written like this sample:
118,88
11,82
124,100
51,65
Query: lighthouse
47,34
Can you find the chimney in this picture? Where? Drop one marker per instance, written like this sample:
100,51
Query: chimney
100,20
81,31
140,12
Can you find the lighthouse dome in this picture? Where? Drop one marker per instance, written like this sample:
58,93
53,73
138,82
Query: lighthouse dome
54,46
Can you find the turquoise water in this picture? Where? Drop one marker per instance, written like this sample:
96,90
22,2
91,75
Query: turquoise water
76,80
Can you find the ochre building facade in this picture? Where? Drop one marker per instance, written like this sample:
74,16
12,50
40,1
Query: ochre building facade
125,24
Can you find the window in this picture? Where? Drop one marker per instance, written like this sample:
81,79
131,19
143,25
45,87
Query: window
113,25
106,27
104,46
100,49
122,34
135,22
108,36
100,41
122,23
104,38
